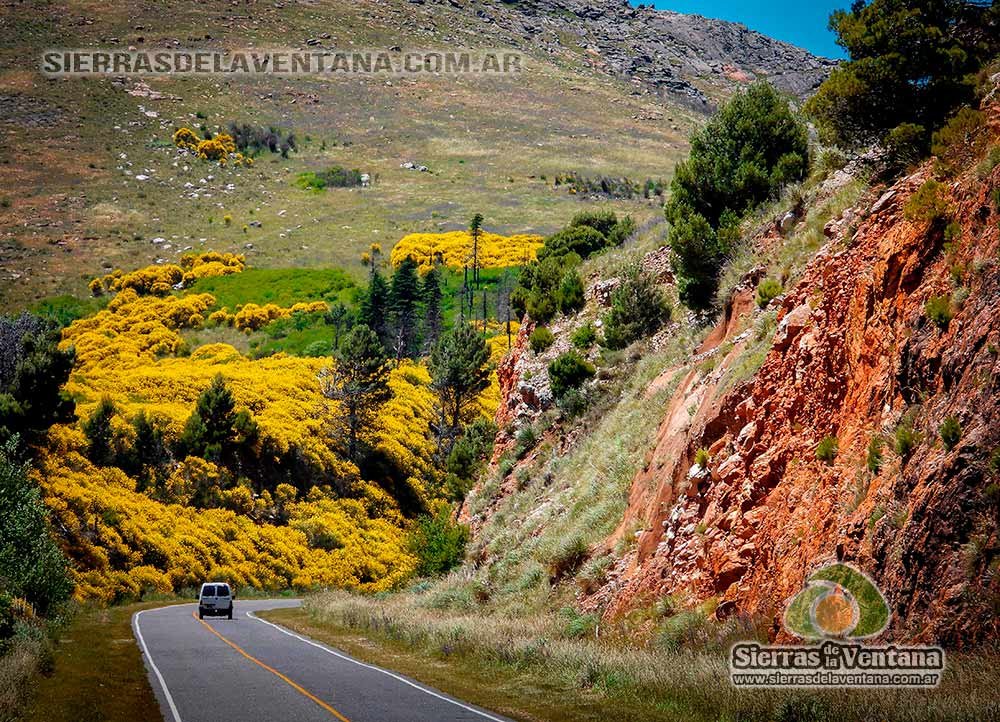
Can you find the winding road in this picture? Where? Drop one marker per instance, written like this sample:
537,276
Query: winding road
250,670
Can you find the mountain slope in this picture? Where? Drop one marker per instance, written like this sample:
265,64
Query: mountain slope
689,56
884,344
72,205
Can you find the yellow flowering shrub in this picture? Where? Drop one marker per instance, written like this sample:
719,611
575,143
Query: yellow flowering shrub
186,138
211,264
125,542
454,249
221,148
253,316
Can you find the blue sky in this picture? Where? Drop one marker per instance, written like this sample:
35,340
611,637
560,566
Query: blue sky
800,22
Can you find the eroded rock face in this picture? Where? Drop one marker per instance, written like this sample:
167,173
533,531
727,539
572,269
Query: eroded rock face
853,357
673,53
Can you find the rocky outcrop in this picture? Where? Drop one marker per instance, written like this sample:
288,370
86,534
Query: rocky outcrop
854,356
685,56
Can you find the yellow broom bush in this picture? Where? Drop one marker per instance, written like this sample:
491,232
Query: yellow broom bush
454,249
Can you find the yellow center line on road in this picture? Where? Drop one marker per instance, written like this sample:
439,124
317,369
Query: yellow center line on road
297,687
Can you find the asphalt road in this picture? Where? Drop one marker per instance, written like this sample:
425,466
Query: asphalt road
249,670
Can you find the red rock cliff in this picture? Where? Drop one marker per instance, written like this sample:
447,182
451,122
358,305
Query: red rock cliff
854,357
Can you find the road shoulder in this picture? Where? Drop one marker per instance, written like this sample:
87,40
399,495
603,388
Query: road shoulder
518,696
95,655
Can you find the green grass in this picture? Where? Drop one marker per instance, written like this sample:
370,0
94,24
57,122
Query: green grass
304,334
66,308
552,666
282,286
98,674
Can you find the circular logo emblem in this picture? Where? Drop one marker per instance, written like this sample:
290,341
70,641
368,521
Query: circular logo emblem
837,601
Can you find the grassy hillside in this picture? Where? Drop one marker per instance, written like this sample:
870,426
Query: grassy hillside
71,205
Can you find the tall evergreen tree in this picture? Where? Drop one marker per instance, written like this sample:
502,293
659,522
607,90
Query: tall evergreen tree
149,455
339,316
912,62
373,311
33,371
100,436
215,430
475,230
404,297
432,296
359,382
460,369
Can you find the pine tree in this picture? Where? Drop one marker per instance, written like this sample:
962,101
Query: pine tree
460,369
215,430
100,436
374,309
403,299
149,452
432,297
475,230
32,372
339,316
359,382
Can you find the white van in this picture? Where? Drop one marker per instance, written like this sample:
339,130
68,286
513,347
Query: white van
215,599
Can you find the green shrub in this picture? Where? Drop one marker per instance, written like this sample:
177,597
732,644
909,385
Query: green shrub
601,221
906,438
702,457
335,177
750,149
468,456
526,440
928,204
638,309
584,241
905,146
438,543
961,139
573,403
768,290
874,458
621,231
682,630
31,565
578,625
830,160
826,451
584,337
570,296
567,557
568,371
938,309
540,339
950,432
537,290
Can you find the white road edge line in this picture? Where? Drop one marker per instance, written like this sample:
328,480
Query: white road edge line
404,680
152,664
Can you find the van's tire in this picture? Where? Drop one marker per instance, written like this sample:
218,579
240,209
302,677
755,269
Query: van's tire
230,615
201,614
